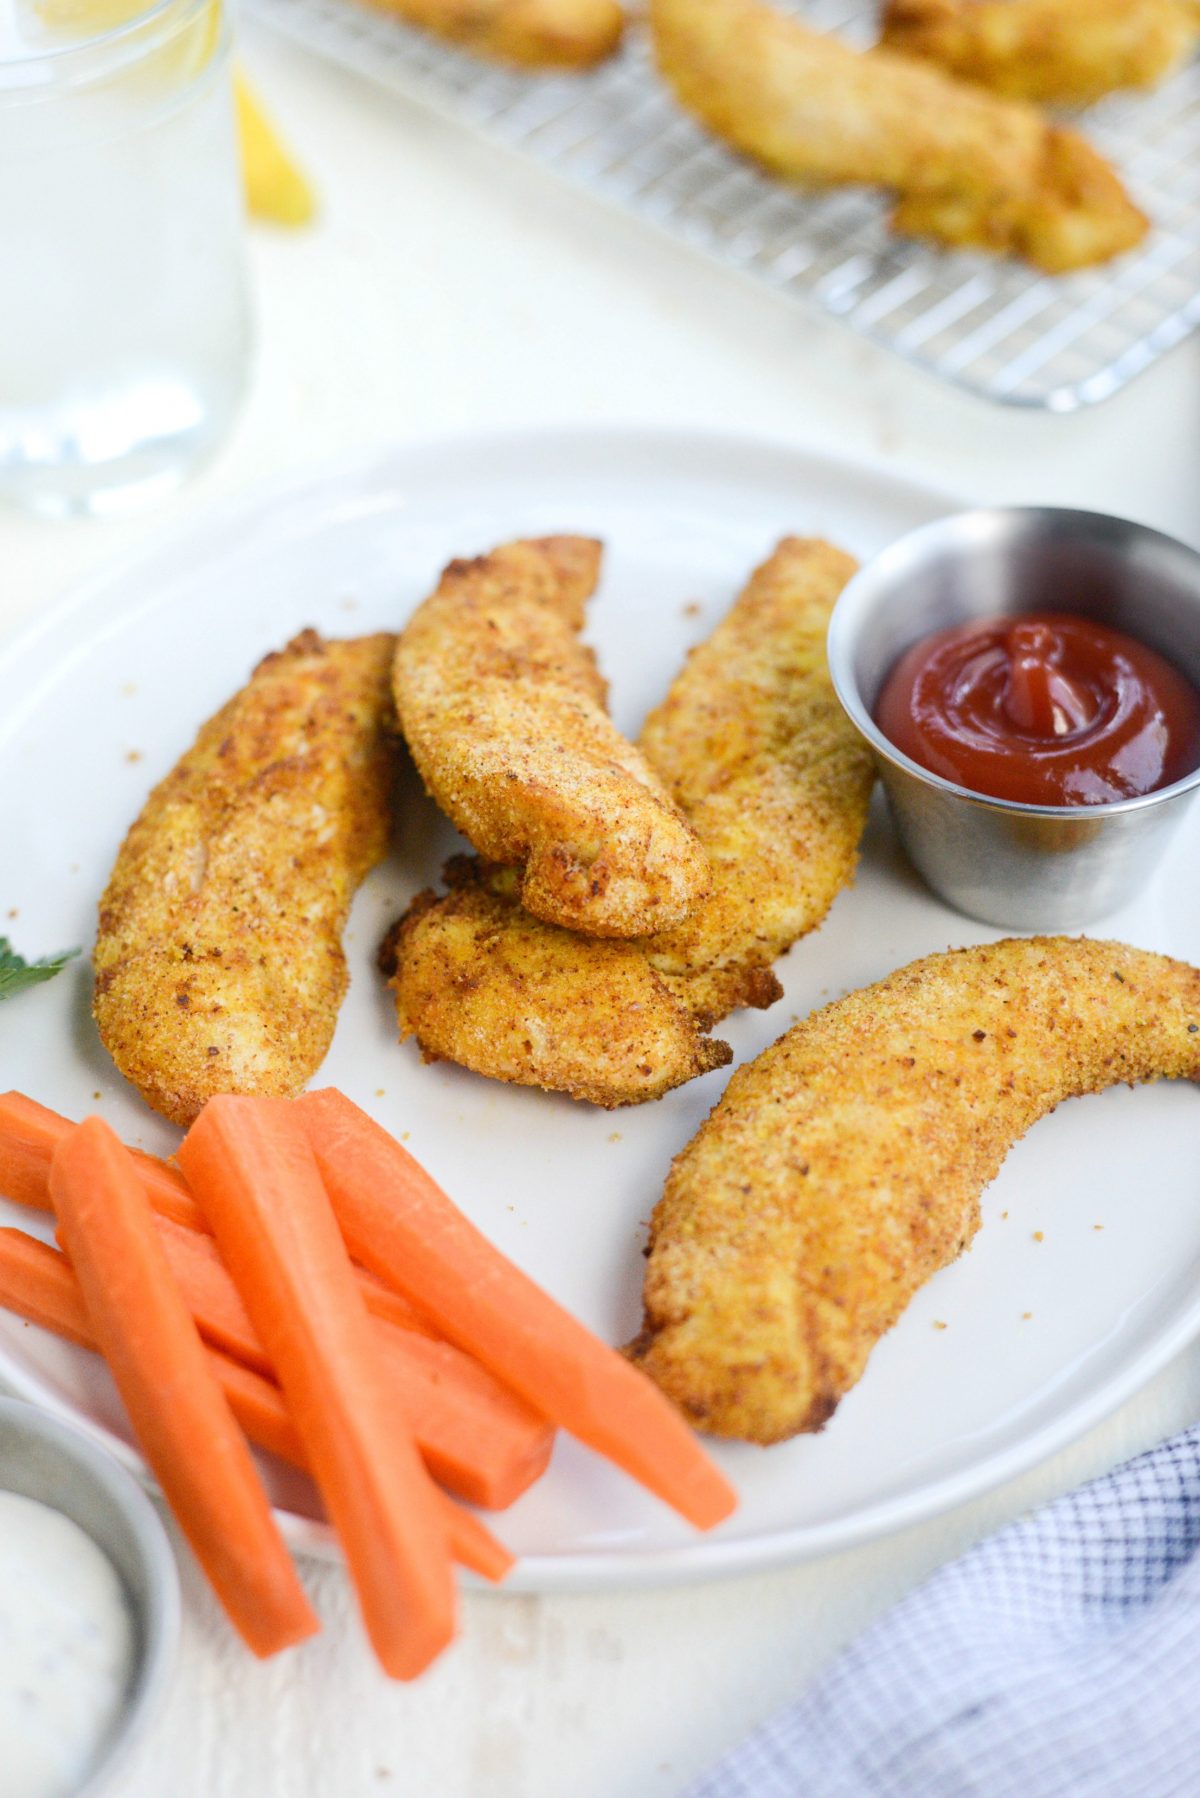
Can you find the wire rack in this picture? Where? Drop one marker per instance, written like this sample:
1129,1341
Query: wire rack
992,326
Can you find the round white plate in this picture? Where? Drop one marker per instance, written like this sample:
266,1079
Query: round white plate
1086,1277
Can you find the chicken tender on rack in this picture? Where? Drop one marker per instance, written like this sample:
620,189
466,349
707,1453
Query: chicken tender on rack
968,167
532,34
219,965
1066,51
845,1166
752,742
503,709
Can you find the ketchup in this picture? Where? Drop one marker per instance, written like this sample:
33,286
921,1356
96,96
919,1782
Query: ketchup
1046,709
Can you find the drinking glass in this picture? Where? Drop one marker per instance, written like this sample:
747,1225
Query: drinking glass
124,324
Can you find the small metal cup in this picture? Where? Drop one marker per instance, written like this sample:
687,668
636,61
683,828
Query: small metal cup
45,1459
1025,867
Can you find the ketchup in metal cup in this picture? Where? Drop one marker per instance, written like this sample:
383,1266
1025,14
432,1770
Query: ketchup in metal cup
1045,709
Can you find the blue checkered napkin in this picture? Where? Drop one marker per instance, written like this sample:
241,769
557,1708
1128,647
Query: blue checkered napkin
1059,1659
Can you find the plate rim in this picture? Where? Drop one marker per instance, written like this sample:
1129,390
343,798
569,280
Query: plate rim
228,510
705,1557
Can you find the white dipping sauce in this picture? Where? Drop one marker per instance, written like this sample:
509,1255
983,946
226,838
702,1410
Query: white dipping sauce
66,1650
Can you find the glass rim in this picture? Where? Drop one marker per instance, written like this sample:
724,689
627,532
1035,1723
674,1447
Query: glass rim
84,50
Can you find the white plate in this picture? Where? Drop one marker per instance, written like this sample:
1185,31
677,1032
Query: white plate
103,695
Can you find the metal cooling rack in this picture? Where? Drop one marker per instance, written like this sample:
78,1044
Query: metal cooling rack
994,327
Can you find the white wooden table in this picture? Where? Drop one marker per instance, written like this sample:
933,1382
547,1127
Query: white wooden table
449,288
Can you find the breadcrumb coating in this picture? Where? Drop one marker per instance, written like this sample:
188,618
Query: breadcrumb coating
219,965
503,709
845,1165
753,743
489,987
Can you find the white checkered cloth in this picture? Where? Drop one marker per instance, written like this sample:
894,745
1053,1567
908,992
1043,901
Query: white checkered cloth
1058,1659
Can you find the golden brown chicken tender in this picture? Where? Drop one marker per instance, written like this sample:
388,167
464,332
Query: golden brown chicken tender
1065,51
481,983
219,964
503,709
752,742
845,1166
967,167
533,34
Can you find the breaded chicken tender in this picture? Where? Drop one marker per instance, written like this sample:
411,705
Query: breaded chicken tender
481,983
755,747
503,709
967,167
533,34
219,965
845,1165
752,742
1065,51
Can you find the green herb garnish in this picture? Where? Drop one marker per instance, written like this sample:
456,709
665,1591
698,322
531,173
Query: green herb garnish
16,973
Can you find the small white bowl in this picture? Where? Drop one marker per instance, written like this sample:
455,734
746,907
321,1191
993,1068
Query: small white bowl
45,1460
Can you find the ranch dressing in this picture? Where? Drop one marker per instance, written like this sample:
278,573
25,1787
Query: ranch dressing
66,1650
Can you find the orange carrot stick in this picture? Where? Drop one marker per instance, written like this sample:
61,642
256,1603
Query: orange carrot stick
478,1438
472,1543
383,1301
248,1163
39,1283
399,1223
259,1407
179,1414
29,1134
210,1294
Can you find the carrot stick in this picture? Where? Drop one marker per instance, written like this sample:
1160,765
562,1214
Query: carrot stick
248,1163
259,1407
179,1414
472,1543
383,1301
29,1134
399,1223
38,1282
476,1437
210,1294
41,1284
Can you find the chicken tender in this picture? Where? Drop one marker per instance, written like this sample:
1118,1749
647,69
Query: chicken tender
1066,51
968,167
483,984
754,745
752,742
219,964
503,709
845,1165
533,34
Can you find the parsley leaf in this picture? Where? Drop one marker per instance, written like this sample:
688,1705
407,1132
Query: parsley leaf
16,973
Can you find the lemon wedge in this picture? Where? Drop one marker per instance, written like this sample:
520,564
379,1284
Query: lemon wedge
276,188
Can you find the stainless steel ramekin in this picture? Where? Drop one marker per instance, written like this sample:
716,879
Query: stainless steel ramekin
47,1460
1025,867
